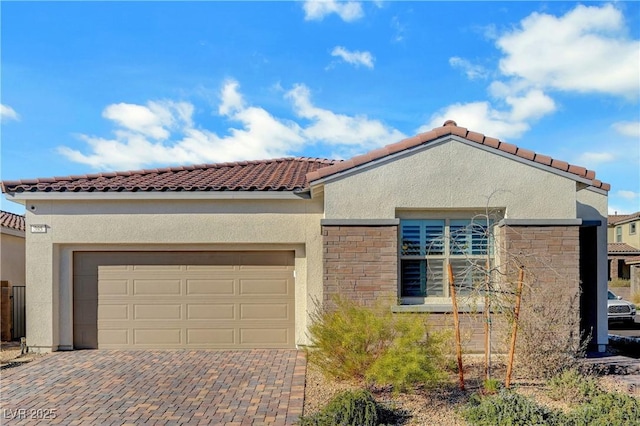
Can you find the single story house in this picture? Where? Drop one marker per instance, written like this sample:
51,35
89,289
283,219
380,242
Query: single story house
237,255
12,267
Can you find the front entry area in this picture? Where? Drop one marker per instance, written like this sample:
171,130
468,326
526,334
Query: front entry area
197,300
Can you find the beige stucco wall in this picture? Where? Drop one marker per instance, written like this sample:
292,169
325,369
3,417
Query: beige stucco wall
451,175
160,225
12,252
627,237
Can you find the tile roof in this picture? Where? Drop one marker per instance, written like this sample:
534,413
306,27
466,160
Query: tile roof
614,219
281,174
451,128
622,248
11,220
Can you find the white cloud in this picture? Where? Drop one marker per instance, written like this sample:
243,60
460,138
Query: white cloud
348,11
339,129
399,28
472,71
627,195
354,57
586,50
164,133
628,128
592,159
155,120
7,113
482,117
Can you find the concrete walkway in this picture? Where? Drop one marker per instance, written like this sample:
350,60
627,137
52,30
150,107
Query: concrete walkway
257,387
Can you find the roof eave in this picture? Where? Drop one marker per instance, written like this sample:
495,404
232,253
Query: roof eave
22,197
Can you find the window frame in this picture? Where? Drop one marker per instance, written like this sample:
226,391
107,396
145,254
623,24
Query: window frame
618,234
632,228
446,251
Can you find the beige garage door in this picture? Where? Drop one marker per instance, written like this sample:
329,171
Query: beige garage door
191,300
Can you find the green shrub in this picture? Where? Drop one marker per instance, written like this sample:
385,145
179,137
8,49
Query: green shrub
491,386
348,408
507,408
607,409
572,387
371,343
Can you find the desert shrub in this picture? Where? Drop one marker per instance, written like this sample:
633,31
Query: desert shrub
549,340
507,408
607,409
361,342
619,282
348,408
635,298
572,387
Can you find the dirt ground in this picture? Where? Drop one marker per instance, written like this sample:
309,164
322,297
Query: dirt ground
10,355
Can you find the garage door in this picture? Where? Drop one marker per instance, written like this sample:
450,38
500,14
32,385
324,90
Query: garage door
217,300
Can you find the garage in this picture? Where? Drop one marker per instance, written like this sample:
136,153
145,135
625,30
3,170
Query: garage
208,300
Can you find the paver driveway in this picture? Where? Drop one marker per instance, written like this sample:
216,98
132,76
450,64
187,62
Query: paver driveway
256,387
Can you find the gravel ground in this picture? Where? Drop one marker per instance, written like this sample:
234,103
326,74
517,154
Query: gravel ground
438,406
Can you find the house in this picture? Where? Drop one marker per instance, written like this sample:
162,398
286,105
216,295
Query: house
12,266
236,255
623,236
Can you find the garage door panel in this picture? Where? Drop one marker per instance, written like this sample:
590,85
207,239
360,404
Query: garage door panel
246,303
212,311
157,287
157,311
267,287
111,287
209,286
113,312
265,311
212,336
157,336
261,336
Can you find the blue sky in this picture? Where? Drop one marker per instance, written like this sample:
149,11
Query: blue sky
94,86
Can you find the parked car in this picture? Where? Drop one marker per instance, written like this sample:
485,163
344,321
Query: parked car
619,309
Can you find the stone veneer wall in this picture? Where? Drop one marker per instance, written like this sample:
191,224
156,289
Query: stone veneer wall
360,263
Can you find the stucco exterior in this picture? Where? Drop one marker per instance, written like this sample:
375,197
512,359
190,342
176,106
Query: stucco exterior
160,225
450,175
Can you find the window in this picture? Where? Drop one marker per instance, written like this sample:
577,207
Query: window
618,234
632,228
427,246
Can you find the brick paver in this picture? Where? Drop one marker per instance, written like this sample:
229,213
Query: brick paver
172,387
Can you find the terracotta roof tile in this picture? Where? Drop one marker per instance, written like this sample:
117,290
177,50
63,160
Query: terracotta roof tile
12,220
450,127
282,174
622,248
618,218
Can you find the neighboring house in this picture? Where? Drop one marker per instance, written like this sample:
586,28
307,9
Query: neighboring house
12,265
236,255
623,236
